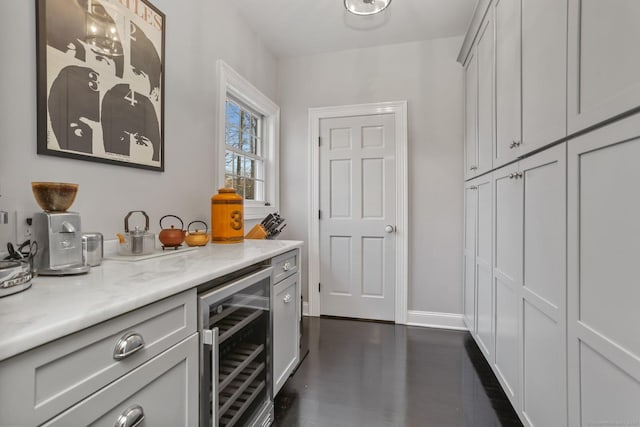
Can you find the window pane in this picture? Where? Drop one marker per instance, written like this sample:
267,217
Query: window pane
254,126
259,191
239,185
233,115
249,168
256,146
249,189
228,163
245,122
237,165
232,137
228,181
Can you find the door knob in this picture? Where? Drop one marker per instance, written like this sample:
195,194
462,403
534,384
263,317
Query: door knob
389,229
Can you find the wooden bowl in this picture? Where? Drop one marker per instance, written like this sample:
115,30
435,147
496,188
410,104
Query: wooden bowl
54,196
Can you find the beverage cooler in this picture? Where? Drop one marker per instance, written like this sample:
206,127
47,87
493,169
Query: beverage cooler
235,377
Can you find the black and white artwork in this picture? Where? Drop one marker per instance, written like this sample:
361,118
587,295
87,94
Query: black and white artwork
101,81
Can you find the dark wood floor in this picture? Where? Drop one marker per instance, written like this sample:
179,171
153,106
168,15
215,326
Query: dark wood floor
375,374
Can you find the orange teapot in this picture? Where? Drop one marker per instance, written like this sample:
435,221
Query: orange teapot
172,237
197,237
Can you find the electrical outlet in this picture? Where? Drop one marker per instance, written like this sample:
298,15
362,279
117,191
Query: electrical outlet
24,231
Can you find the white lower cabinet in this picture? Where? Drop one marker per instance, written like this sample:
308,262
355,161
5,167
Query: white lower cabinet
604,249
484,245
162,392
543,372
507,278
287,312
469,255
521,302
42,383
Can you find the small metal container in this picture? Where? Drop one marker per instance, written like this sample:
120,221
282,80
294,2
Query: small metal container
92,249
15,276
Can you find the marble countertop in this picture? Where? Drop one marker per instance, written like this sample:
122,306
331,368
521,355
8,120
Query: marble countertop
57,306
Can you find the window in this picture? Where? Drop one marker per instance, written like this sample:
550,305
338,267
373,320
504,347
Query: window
248,143
244,161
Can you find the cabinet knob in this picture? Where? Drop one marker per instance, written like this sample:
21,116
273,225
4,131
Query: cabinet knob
127,345
473,187
512,175
287,299
519,175
287,266
514,144
131,417
473,168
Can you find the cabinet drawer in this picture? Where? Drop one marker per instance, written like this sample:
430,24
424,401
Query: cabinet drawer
285,265
163,390
45,381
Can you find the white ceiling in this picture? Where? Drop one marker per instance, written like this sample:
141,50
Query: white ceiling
306,27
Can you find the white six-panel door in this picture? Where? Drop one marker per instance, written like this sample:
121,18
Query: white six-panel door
357,223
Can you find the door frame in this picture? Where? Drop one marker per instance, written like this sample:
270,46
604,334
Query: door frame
399,110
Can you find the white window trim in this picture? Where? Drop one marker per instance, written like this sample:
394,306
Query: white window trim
230,82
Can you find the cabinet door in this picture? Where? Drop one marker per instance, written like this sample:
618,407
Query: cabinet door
286,330
544,373
507,277
508,91
544,72
469,255
603,315
164,391
471,116
604,62
485,95
484,288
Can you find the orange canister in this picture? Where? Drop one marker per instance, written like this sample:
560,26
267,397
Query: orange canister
227,217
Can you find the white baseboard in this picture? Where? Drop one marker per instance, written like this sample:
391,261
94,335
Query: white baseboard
305,308
432,319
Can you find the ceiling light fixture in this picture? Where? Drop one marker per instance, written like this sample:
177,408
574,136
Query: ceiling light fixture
366,7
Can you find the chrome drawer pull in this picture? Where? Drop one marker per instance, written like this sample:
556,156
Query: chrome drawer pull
287,299
287,266
131,417
127,345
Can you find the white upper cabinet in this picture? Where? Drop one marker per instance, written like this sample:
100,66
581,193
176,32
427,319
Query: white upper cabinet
471,117
485,57
508,81
604,60
544,73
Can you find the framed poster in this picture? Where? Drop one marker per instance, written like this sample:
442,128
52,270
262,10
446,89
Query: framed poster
101,81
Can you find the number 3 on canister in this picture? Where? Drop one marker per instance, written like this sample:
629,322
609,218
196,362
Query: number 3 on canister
236,220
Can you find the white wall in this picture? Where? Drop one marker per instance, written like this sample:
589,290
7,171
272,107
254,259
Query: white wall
427,75
198,33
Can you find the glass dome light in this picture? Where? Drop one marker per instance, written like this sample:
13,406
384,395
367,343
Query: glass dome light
366,7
